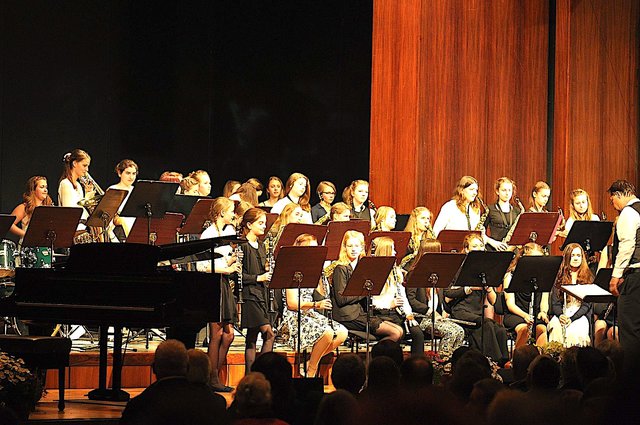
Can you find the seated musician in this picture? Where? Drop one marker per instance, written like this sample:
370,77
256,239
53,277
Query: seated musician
391,305
517,317
348,310
466,303
423,300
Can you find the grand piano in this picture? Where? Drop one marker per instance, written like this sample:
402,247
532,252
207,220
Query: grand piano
118,285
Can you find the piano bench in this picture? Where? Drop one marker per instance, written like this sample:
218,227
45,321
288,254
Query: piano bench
42,352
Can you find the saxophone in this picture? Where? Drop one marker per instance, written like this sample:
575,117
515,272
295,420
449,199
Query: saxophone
323,219
509,234
483,217
326,287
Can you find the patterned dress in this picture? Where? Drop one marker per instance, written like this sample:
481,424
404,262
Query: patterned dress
313,324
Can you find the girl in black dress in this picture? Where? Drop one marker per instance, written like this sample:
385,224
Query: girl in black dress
503,214
255,280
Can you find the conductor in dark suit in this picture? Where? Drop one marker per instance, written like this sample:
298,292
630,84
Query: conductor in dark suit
172,399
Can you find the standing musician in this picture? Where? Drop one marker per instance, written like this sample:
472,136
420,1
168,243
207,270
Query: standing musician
539,197
327,193
317,332
274,191
70,191
246,192
625,279
571,321
127,171
517,317
257,185
356,195
348,310
230,188
462,212
297,191
255,278
580,209
392,304
221,333
424,300
385,219
502,215
466,303
37,194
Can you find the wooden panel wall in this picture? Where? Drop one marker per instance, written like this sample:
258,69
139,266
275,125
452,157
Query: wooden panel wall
461,87
475,98
596,103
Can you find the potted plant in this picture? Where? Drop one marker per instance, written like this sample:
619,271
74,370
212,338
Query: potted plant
20,390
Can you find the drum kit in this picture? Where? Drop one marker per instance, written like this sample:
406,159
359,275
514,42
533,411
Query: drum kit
10,258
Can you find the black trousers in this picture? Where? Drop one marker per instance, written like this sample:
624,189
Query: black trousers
629,322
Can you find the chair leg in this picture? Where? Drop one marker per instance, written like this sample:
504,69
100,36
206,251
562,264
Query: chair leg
61,384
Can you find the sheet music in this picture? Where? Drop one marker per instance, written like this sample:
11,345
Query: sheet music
583,291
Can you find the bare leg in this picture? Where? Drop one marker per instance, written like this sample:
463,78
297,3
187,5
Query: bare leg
600,330
341,336
319,349
541,335
521,335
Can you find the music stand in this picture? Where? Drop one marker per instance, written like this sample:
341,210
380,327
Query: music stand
336,231
293,230
106,210
6,221
368,278
52,226
197,215
271,219
482,268
534,274
590,293
451,240
400,241
538,227
436,269
298,267
149,199
591,235
184,204
156,230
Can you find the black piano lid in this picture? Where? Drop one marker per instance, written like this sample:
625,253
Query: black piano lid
184,249
113,258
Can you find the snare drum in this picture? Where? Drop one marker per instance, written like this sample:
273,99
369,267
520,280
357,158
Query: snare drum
36,257
7,258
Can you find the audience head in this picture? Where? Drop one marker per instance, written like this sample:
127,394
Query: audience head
569,368
543,374
613,350
199,369
170,359
416,372
483,393
338,408
348,373
457,354
388,348
591,364
276,369
522,358
384,375
471,368
253,396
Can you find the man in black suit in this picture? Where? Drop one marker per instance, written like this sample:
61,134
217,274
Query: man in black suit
172,399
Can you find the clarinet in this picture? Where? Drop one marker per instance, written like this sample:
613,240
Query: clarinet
239,257
607,311
399,308
564,313
272,263
531,339
327,295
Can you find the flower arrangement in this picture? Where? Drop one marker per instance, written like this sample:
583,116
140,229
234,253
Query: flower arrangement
552,349
19,388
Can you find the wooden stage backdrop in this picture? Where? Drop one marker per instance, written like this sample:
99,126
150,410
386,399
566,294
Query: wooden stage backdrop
533,90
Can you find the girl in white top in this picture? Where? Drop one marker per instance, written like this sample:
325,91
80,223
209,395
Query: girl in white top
127,170
462,212
70,192
297,191
580,208
221,333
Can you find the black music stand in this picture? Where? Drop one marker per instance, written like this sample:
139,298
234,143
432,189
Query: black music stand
538,227
293,230
196,216
184,204
400,241
534,274
298,267
591,235
437,270
482,268
336,231
451,240
590,293
6,221
106,210
367,279
602,280
159,231
53,227
149,199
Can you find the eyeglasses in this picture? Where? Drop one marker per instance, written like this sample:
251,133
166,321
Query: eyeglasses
328,193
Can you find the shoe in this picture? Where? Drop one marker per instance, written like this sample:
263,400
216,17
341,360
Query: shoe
219,388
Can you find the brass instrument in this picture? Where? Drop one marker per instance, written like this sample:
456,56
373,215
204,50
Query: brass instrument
323,219
483,217
509,234
90,203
